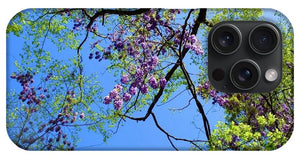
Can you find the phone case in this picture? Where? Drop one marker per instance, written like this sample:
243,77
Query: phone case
136,79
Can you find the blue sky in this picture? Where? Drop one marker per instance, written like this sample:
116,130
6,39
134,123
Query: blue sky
134,135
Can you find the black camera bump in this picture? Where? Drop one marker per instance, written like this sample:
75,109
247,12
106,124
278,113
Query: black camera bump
242,54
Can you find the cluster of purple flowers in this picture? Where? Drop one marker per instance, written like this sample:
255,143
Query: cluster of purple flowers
194,44
189,41
152,19
153,83
125,79
78,23
30,93
94,28
222,100
132,90
115,96
48,76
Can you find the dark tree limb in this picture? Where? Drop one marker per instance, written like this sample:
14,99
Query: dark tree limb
183,31
200,19
199,105
182,108
115,12
173,137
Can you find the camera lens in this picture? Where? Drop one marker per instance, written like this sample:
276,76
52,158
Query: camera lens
245,74
226,39
264,39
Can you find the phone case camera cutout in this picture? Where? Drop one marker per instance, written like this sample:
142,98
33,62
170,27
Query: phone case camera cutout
150,79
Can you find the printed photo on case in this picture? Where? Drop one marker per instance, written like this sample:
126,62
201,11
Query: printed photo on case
136,79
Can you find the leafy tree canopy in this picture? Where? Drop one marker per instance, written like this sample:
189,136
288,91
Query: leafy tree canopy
150,53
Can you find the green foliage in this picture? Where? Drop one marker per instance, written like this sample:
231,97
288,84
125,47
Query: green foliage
242,137
252,121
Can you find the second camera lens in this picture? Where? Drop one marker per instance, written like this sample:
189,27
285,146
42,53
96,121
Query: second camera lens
264,39
226,39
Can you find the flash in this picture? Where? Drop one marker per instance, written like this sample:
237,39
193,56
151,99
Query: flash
271,75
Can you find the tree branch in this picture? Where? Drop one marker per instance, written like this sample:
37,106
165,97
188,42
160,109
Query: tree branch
200,19
117,12
199,105
179,109
173,137
183,31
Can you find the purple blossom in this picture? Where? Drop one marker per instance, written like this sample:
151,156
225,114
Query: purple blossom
118,104
153,83
289,119
187,45
118,87
126,97
75,113
97,57
247,97
91,56
148,26
154,60
263,134
206,85
137,82
176,41
235,138
144,45
95,27
146,17
107,100
288,64
213,93
139,73
13,76
222,101
192,38
81,116
125,79
157,16
285,128
132,90
162,82
144,89
260,109
113,93
199,51
131,51
285,107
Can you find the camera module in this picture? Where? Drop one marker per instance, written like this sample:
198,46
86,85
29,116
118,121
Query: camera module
244,56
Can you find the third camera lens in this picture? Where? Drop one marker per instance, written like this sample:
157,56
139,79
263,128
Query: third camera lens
245,74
